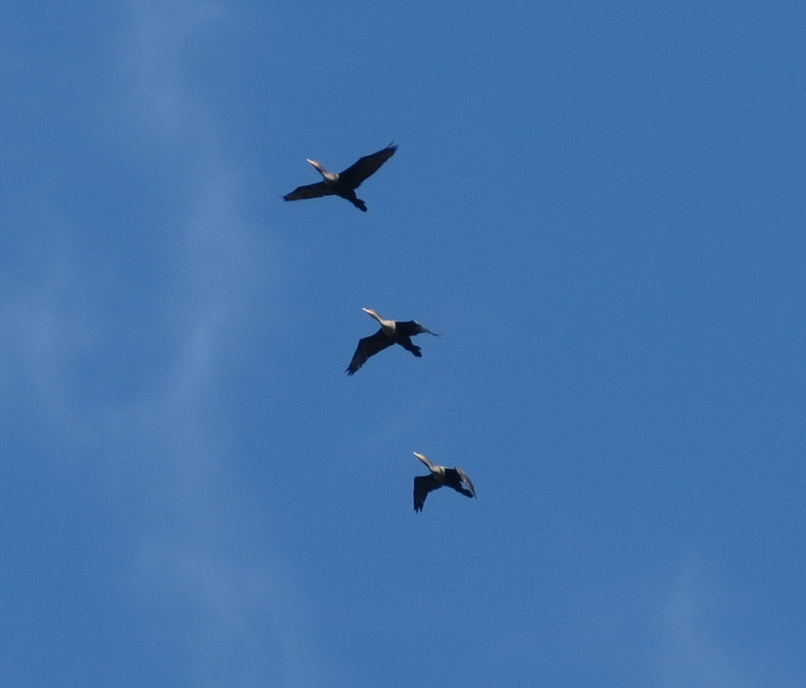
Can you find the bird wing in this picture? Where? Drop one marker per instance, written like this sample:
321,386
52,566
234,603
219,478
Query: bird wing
368,346
423,484
366,166
467,482
409,328
309,191
458,480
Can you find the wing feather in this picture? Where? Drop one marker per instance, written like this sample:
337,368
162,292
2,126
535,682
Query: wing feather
366,166
411,327
470,491
368,346
309,191
423,484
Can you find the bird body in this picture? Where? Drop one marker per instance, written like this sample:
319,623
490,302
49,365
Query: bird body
345,183
391,332
439,475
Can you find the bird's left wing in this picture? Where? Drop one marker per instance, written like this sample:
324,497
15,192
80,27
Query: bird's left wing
366,166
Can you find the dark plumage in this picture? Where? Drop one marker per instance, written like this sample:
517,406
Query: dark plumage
344,184
391,332
439,476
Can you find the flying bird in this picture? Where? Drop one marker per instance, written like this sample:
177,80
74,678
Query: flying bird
347,182
440,475
391,332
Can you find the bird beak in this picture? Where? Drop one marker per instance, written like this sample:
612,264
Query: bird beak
367,311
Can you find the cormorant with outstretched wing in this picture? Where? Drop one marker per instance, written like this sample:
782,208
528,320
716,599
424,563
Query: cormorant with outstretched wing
439,476
391,332
344,184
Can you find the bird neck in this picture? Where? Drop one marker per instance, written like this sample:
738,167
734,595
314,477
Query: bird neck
327,175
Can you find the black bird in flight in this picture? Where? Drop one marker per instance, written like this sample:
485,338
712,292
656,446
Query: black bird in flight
391,332
439,476
347,182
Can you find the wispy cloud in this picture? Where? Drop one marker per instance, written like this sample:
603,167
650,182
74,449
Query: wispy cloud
166,461
248,629
43,327
154,58
694,653
191,549
244,623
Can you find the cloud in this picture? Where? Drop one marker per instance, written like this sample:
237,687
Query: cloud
694,651
68,305
247,627
244,623
154,57
44,326
165,465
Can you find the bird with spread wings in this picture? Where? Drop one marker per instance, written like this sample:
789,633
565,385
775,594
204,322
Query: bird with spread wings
345,183
439,476
391,332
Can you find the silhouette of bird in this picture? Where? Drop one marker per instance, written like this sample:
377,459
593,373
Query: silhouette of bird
439,476
345,183
391,332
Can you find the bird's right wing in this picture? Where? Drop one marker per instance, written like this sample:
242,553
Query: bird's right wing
309,191
471,491
412,327
368,346
366,166
423,484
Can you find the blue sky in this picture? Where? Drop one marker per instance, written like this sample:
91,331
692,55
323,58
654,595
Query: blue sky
600,206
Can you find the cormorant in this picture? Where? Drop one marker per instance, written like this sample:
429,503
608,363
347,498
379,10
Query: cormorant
347,182
440,475
391,332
